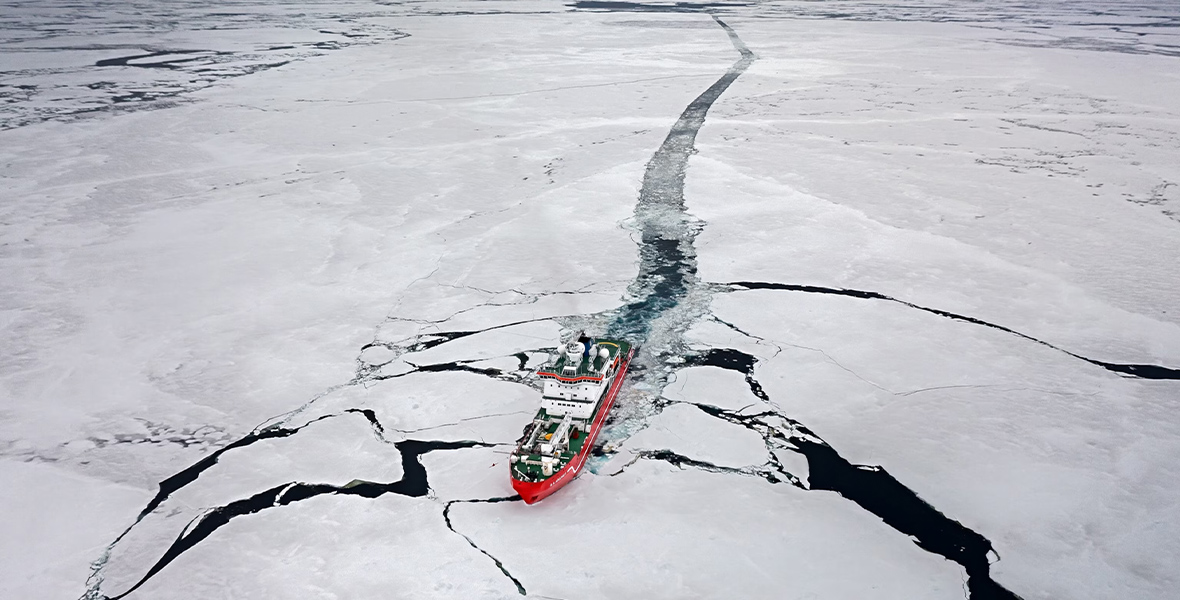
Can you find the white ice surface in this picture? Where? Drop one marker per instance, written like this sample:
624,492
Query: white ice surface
389,546
333,451
437,406
942,166
1007,436
659,532
489,344
713,386
44,505
176,273
687,431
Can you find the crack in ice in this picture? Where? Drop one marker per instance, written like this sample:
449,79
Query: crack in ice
869,486
1140,371
499,565
413,483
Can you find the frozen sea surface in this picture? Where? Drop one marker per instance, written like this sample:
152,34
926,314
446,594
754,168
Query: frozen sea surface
905,280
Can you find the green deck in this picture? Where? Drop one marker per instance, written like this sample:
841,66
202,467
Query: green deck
533,471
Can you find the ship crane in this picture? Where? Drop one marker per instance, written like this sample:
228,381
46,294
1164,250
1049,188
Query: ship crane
579,388
560,436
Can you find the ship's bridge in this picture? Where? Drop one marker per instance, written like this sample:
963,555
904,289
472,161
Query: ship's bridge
576,381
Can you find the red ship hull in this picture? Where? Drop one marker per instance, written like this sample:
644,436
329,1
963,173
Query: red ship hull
532,492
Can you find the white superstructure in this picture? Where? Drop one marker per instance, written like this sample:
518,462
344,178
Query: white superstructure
581,375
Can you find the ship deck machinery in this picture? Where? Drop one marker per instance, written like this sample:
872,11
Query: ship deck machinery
578,390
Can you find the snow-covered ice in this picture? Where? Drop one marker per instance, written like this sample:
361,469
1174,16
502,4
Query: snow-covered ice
275,277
